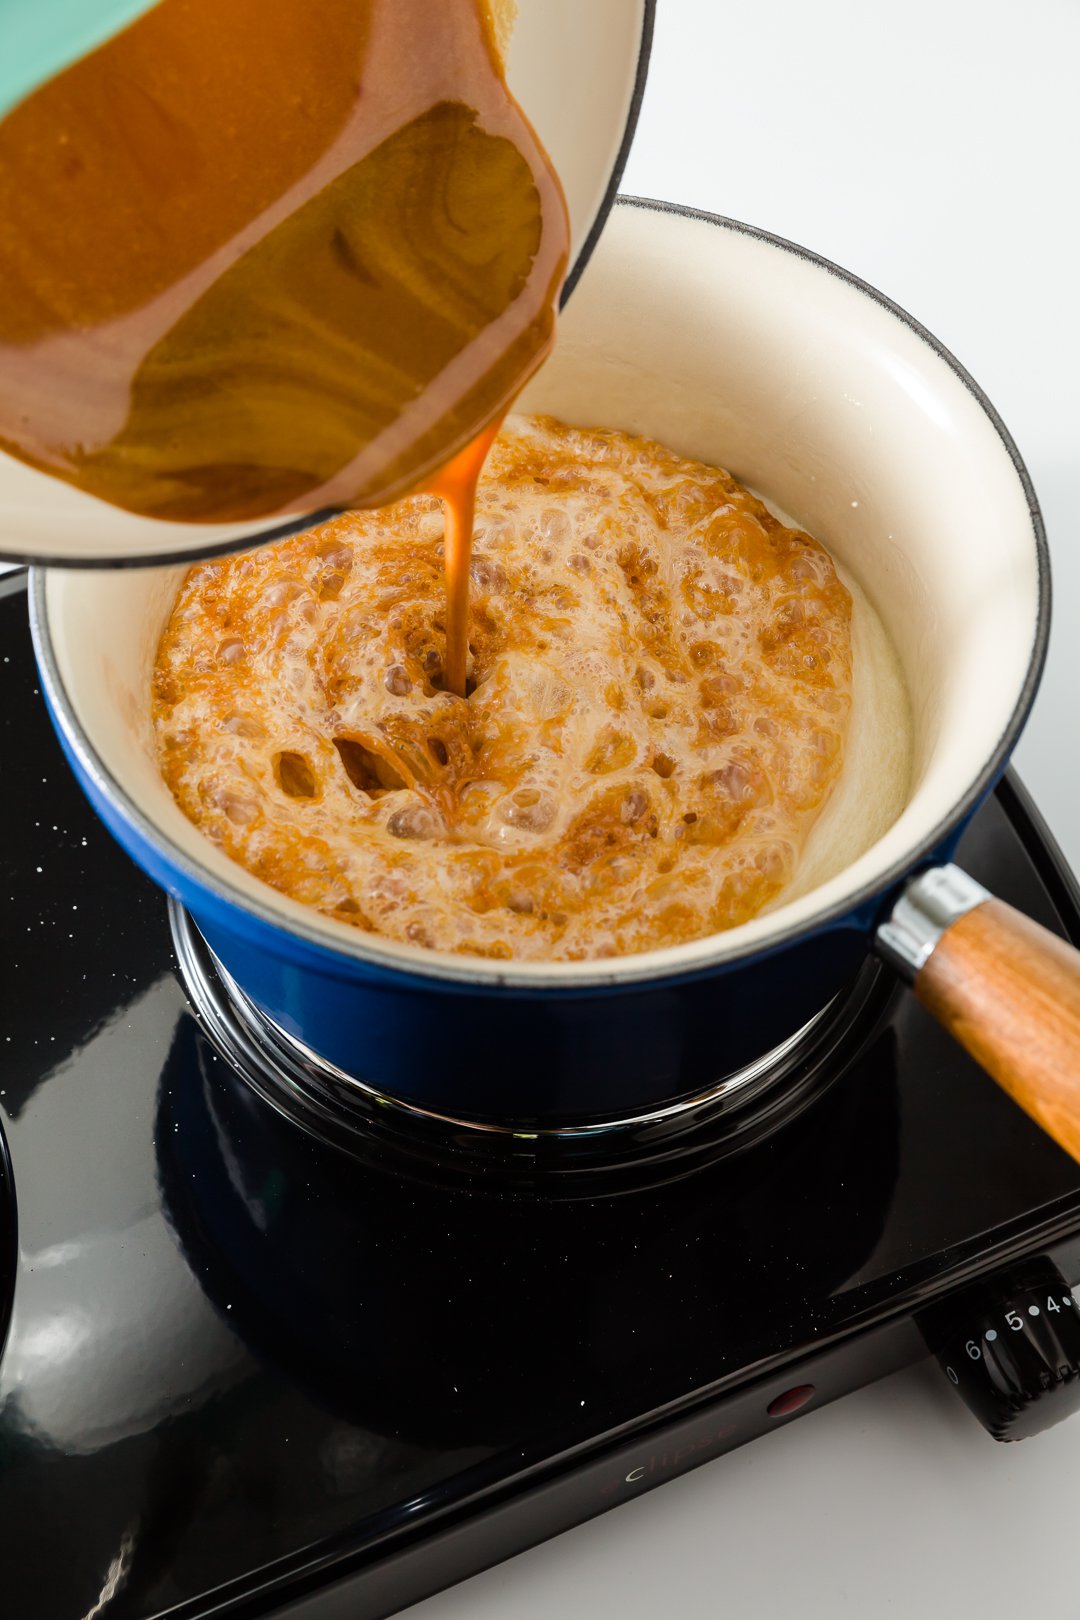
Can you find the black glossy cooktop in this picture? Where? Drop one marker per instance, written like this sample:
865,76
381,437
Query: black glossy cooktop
247,1373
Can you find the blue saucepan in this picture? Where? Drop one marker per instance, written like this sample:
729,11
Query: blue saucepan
746,351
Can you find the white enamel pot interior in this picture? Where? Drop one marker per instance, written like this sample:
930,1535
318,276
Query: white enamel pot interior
579,74
744,351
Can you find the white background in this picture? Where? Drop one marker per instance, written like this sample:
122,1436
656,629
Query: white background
934,149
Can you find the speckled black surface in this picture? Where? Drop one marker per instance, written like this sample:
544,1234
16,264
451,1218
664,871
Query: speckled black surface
241,1364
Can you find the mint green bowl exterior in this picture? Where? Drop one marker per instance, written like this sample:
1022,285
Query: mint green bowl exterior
38,40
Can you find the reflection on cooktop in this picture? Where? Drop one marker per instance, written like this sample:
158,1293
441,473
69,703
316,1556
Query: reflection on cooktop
8,1237
429,1313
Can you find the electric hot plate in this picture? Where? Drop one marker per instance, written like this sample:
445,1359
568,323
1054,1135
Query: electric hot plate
276,1348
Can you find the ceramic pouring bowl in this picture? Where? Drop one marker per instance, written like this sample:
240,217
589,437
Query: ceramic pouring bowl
583,103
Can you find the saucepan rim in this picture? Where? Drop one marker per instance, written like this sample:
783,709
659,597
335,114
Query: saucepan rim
358,950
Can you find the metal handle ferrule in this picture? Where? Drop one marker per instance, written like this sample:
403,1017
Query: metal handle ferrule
926,909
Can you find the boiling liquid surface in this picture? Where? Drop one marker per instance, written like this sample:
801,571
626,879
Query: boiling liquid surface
661,686
265,258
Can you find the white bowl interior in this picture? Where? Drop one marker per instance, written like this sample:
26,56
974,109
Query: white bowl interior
579,101
740,352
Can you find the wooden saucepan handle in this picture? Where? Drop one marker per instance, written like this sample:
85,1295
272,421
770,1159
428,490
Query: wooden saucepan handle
1004,987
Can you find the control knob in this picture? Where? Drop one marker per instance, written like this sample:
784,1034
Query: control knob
1011,1347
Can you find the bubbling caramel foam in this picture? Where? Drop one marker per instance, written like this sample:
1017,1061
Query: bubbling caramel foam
660,687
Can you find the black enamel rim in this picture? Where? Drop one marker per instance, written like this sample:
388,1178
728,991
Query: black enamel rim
447,971
309,520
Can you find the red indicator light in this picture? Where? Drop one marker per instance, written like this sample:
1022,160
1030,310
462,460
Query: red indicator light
791,1400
